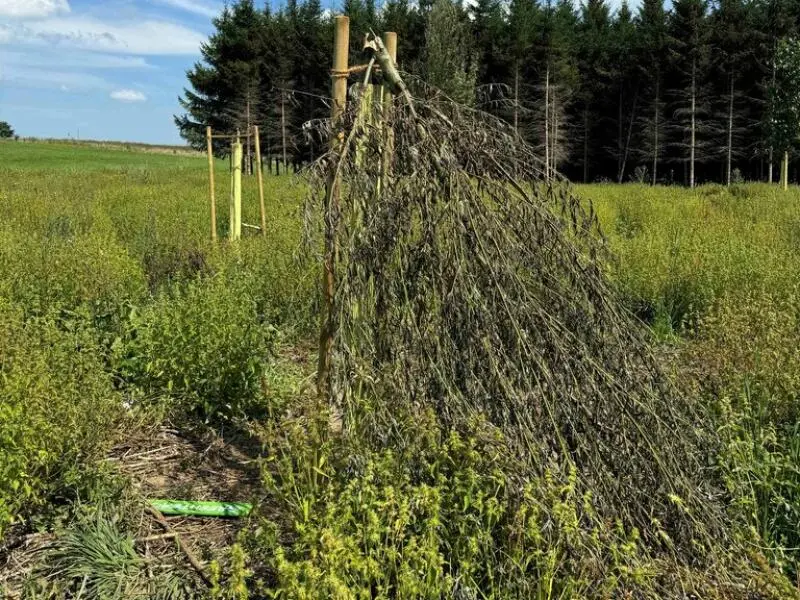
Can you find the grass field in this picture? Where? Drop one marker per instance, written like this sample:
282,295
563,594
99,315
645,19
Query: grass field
135,357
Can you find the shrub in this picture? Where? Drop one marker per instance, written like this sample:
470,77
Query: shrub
435,516
58,410
205,347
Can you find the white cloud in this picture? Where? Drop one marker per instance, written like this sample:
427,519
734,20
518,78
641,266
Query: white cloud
145,37
199,8
32,9
128,96
49,78
73,59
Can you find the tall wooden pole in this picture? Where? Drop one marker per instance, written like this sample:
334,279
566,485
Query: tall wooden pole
341,43
236,198
260,177
211,185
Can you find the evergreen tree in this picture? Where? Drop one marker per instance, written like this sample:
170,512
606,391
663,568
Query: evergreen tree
226,84
650,65
405,20
692,128
731,25
593,68
449,64
623,72
5,130
523,21
493,65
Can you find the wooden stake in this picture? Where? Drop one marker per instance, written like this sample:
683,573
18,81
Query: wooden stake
211,185
260,176
236,204
341,43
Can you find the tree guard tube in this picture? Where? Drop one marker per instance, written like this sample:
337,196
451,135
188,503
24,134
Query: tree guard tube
191,508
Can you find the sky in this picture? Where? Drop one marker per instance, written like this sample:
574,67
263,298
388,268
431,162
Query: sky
100,69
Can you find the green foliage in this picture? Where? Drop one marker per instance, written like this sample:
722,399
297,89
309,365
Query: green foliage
58,410
205,347
96,559
5,130
784,96
448,52
433,514
678,251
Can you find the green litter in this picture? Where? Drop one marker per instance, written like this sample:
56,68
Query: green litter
192,508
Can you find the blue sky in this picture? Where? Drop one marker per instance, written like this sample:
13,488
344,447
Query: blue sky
100,69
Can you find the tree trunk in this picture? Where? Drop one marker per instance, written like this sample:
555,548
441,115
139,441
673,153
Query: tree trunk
693,131
516,97
619,131
554,138
730,131
630,134
770,175
247,168
655,128
785,171
283,127
547,124
585,142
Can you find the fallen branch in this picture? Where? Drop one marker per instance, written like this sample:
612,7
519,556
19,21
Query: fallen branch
196,564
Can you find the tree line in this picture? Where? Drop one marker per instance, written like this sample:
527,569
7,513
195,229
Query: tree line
700,92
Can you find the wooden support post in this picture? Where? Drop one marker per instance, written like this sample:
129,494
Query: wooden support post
341,43
260,177
211,185
236,198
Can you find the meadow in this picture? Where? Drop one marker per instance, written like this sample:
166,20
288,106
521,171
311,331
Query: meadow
121,323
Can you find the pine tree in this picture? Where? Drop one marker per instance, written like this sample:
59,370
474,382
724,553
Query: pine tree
523,21
650,66
624,74
731,24
692,131
449,64
409,24
593,67
225,84
493,64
